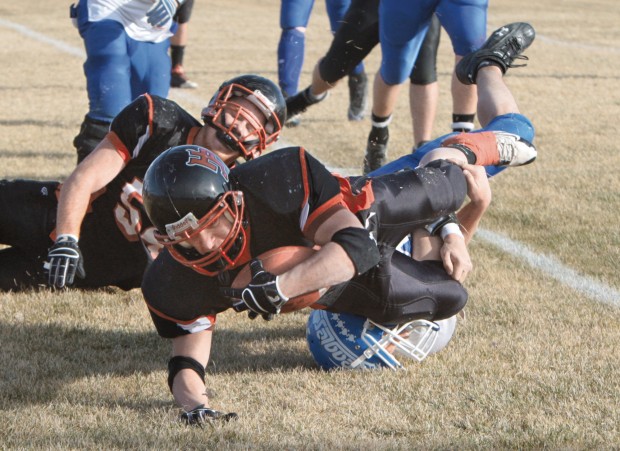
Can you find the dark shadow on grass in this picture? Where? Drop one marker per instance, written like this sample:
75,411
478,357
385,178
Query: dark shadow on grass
39,360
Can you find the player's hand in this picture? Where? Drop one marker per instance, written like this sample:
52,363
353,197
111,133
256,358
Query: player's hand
455,257
162,12
478,187
262,295
201,415
64,262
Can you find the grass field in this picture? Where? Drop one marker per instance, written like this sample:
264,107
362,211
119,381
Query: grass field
536,363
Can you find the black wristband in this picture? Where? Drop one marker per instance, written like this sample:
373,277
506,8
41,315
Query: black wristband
435,227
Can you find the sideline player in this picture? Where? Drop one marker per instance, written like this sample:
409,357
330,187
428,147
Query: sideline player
402,28
294,17
356,37
126,44
178,42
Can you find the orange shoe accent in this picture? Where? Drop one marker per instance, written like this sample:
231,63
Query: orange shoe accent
483,145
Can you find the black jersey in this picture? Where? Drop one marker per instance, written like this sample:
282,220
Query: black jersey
287,195
117,236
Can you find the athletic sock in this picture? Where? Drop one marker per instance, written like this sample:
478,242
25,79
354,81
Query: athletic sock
463,122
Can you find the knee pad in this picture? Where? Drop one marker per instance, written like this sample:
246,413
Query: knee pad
425,68
92,131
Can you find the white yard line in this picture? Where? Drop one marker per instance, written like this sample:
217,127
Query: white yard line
546,264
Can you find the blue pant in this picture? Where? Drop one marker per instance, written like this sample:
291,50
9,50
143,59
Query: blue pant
510,123
403,25
118,69
291,48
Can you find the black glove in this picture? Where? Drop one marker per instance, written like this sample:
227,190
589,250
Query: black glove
64,262
261,296
266,316
201,415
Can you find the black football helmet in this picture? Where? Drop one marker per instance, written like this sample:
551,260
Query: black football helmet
263,93
186,189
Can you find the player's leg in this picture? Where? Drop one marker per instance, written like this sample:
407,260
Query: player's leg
358,80
465,23
107,69
356,37
21,270
404,202
490,62
178,42
150,67
397,290
424,89
294,16
402,27
29,218
29,213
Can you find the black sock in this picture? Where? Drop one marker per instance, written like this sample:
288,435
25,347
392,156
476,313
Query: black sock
463,122
176,55
379,133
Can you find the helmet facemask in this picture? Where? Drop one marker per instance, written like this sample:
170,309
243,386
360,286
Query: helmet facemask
256,135
414,339
230,206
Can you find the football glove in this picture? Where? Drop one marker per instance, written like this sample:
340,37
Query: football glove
262,295
201,415
162,12
64,262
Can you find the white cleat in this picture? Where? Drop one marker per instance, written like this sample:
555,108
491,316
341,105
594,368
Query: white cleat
514,150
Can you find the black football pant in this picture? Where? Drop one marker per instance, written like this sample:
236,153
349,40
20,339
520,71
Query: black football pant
401,289
27,219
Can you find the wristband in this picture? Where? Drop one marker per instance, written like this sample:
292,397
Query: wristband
279,290
450,229
434,227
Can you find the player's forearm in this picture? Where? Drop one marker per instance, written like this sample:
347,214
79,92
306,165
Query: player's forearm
469,216
330,266
72,206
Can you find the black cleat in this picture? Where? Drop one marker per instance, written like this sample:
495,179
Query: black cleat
376,154
178,79
358,96
503,46
298,103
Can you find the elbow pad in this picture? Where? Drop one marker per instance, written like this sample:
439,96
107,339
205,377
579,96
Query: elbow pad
360,246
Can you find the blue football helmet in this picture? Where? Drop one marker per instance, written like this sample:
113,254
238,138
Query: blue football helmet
342,340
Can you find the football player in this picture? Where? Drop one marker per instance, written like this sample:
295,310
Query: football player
353,41
402,29
126,44
211,232
294,16
100,204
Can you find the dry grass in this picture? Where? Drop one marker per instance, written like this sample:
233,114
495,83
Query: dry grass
534,366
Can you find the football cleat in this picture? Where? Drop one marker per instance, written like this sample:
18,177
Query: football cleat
376,154
358,96
299,103
514,150
178,79
503,46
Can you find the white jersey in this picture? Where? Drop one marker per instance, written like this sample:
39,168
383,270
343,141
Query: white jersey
132,14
